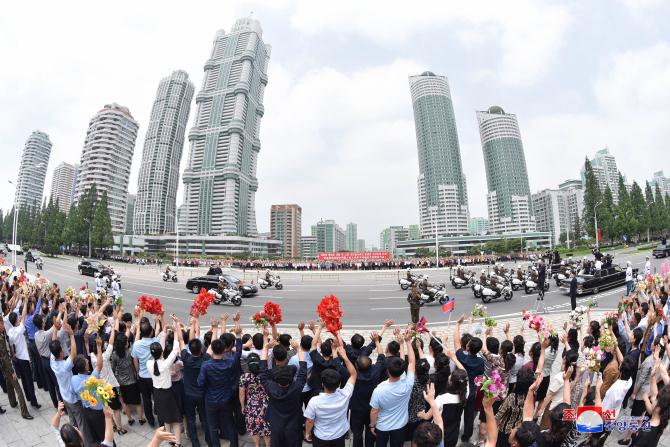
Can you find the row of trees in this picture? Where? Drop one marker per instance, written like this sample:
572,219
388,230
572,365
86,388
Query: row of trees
637,214
52,231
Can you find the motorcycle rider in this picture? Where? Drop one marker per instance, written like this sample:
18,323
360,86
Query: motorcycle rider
519,273
482,278
168,271
460,272
414,300
269,277
410,276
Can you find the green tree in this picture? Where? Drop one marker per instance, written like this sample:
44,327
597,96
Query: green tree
85,216
607,217
666,214
422,252
69,233
563,238
592,196
576,231
102,225
639,222
8,225
651,212
625,221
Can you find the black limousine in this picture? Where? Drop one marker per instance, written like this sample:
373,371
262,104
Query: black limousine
602,279
211,282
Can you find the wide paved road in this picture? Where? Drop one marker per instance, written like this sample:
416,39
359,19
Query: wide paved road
368,298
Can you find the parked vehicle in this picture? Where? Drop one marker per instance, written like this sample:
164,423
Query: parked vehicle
661,251
602,279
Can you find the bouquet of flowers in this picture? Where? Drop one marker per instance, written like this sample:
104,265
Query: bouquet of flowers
491,386
330,312
610,318
273,312
421,326
592,358
479,311
69,292
593,302
97,390
606,339
86,296
151,305
201,303
577,316
535,321
490,322
118,301
260,320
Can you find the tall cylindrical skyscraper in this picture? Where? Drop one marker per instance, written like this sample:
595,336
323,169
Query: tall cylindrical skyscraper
106,159
443,196
62,183
220,179
33,170
508,200
155,205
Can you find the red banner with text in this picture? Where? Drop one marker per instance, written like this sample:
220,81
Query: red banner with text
355,256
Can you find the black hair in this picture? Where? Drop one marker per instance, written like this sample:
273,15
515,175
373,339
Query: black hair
524,379
156,352
363,363
258,340
638,317
357,341
627,368
638,333
208,338
588,341
245,339
519,344
80,364
506,348
253,363
395,366
435,346
38,321
306,342
279,353
120,344
645,308
475,345
284,376
559,427
55,348
535,352
492,345
195,347
663,405
393,347
327,348
458,384
145,328
422,369
442,373
12,318
127,317
330,379
285,340
427,434
571,358
527,433
70,436
553,342
595,330
465,339
228,340
169,344
217,347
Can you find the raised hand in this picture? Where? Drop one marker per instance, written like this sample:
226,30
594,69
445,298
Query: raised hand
461,319
225,316
236,317
301,325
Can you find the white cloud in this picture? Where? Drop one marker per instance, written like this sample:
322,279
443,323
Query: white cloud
528,33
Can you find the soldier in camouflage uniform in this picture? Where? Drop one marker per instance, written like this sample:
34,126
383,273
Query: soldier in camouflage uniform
13,387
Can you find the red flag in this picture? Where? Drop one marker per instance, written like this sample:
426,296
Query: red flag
599,236
448,306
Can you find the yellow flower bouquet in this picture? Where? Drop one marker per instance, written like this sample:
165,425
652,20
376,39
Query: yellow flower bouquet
97,390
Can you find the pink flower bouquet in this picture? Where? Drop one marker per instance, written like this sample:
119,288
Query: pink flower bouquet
491,386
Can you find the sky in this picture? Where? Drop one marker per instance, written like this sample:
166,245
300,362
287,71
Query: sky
338,133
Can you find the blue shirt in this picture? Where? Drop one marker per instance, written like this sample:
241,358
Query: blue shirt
141,352
30,326
294,361
192,366
78,387
63,371
218,376
392,401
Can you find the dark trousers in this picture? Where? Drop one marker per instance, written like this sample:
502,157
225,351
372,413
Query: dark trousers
51,382
220,417
191,407
395,437
38,375
360,426
240,421
146,390
95,422
339,442
414,312
573,301
23,371
289,433
468,418
13,388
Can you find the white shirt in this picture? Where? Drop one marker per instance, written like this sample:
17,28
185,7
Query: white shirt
329,413
599,265
98,284
616,393
164,380
106,373
446,399
556,387
647,268
18,340
115,289
629,273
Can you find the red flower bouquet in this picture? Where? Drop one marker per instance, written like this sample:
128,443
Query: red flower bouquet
260,320
273,312
201,303
151,305
330,312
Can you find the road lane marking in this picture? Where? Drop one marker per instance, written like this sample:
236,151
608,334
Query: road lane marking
390,308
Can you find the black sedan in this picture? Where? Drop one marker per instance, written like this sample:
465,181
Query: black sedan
90,268
211,282
602,279
661,251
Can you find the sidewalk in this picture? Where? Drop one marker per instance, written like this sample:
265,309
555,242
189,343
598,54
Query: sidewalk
18,432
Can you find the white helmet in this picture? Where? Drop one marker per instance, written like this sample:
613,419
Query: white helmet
97,274
408,269
518,266
425,277
640,277
484,271
627,262
220,278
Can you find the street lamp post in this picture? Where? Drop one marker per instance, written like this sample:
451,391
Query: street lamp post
433,210
595,221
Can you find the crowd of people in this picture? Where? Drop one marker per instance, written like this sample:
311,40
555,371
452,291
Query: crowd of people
403,385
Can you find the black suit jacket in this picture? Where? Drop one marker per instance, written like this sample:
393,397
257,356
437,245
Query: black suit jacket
573,287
